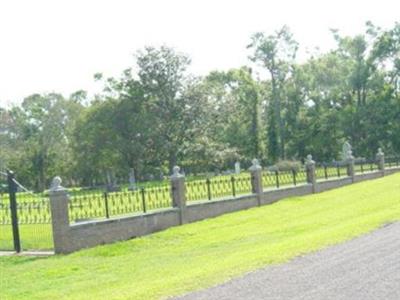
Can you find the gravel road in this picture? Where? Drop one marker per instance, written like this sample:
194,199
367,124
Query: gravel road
364,268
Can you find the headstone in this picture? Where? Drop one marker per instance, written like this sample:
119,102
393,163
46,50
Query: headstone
237,167
108,178
132,181
113,178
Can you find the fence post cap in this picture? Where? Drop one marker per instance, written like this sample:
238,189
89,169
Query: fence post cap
309,160
255,165
56,185
380,152
176,172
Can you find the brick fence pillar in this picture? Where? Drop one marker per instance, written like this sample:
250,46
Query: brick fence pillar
380,160
178,189
256,180
310,170
59,216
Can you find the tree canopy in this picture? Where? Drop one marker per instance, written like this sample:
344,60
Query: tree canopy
156,114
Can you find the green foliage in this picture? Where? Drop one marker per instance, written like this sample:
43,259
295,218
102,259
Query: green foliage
37,137
234,121
156,115
276,53
287,165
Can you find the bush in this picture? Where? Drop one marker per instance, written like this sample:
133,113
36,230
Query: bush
3,188
359,160
286,165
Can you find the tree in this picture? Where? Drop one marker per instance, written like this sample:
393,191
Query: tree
40,137
234,110
276,53
156,115
162,76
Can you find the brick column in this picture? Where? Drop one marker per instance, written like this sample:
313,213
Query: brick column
256,180
59,216
178,189
310,169
380,160
350,165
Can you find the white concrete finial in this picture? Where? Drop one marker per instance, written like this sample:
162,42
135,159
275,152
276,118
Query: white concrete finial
309,159
380,152
255,165
175,172
56,184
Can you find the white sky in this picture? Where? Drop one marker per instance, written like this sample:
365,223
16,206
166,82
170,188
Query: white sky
57,45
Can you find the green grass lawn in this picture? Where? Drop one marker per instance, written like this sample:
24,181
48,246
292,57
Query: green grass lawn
32,236
201,254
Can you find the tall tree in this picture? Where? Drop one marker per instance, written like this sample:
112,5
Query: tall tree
235,108
276,53
43,126
162,75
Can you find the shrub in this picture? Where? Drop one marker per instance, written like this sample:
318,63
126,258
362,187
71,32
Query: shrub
286,165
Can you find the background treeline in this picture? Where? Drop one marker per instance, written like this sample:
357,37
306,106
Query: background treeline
156,115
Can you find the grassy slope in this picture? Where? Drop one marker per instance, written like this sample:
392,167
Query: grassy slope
208,252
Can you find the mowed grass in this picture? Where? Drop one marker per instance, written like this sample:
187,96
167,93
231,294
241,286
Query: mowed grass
205,253
32,236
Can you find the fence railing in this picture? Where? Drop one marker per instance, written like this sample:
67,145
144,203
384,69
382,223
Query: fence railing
392,161
34,221
277,179
85,205
92,205
326,171
218,187
365,165
34,209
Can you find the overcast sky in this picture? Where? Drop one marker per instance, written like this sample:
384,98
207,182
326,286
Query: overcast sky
57,45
